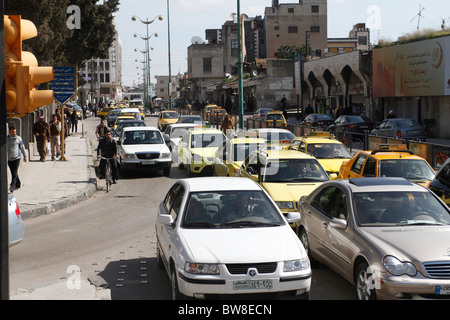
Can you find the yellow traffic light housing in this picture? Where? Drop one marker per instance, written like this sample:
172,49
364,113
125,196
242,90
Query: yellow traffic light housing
22,71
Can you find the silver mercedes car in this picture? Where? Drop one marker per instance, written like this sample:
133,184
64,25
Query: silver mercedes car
16,225
387,236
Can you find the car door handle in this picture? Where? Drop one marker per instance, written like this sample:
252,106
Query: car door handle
308,213
324,224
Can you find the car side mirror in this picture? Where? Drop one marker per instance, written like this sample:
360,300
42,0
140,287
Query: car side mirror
293,217
339,224
166,138
165,219
333,176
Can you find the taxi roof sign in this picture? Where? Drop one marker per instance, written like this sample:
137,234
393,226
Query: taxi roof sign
398,147
321,134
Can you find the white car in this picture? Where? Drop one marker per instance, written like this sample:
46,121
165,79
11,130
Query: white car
173,134
224,236
16,225
143,147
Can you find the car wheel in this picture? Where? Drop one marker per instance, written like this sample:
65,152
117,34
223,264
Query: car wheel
159,261
176,294
189,173
364,283
166,171
305,242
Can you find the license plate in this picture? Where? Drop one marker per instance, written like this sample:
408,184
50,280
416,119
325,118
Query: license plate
148,162
443,290
252,284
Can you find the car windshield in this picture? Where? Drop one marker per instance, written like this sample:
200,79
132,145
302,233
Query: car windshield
230,209
412,169
399,208
192,119
242,150
178,132
294,170
206,140
114,113
274,116
170,115
142,137
322,117
328,151
354,119
277,136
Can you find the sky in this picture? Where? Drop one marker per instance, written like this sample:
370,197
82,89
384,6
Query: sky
387,19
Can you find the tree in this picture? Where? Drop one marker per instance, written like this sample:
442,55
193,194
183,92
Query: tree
56,44
288,51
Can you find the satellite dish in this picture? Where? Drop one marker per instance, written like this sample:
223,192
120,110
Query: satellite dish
196,40
227,75
255,73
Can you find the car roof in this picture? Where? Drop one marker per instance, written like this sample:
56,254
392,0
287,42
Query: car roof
391,155
200,130
199,184
375,184
139,128
184,125
269,130
238,140
132,121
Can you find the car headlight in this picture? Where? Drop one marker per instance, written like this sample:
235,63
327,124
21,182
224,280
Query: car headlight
201,268
398,268
197,158
129,156
296,265
285,204
165,155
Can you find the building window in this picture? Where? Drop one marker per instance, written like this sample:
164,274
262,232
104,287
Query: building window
315,28
107,65
102,78
314,8
362,40
293,29
207,64
290,10
276,28
107,77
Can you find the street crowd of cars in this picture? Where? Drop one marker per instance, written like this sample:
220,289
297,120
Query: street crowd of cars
261,207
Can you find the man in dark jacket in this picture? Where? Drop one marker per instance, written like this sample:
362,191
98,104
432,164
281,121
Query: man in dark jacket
107,148
41,130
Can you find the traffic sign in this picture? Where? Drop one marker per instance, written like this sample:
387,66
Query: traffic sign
64,83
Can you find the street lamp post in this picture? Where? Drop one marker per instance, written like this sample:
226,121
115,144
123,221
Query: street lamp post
147,82
240,71
170,67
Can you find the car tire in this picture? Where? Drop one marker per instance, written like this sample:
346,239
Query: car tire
166,171
305,242
363,290
159,261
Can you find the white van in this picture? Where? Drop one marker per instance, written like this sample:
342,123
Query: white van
135,112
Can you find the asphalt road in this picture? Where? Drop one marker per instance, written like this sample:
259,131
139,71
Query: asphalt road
112,235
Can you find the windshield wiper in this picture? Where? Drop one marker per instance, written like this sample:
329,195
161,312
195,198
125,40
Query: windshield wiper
199,225
247,223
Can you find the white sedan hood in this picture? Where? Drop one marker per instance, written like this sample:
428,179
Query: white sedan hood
133,148
243,245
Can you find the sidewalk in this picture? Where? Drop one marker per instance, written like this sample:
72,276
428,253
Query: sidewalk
54,185
51,186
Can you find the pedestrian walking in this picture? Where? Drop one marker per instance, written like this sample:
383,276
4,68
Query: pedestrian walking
55,136
15,149
227,126
41,131
74,120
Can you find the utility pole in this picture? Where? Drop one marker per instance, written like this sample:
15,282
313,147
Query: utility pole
4,223
240,69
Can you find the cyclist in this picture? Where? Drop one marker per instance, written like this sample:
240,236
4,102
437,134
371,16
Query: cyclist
107,148
101,129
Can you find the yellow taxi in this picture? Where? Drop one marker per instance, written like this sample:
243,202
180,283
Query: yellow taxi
210,107
197,148
167,117
286,175
330,152
388,161
231,154
275,119
103,113
120,118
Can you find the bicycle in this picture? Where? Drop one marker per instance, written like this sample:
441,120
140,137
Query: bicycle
108,173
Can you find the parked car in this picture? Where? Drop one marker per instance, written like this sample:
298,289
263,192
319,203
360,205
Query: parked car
441,183
322,120
143,147
275,119
219,237
16,225
386,236
350,123
403,128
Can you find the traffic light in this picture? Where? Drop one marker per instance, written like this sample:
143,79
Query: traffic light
22,71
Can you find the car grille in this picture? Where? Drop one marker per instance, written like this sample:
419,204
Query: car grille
242,268
438,270
147,155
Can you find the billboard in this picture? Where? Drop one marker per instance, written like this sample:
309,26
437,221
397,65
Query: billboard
412,70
